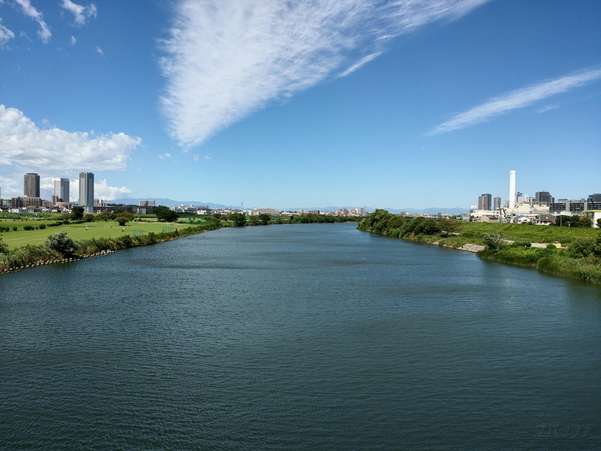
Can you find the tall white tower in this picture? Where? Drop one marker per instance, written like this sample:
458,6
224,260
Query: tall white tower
511,190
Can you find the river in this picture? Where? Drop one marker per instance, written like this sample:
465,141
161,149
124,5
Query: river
297,337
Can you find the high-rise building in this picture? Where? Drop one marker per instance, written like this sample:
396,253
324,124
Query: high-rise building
61,189
594,198
31,185
497,203
484,202
511,190
86,191
543,198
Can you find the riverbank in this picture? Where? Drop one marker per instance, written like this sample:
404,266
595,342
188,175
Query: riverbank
518,245
33,255
26,246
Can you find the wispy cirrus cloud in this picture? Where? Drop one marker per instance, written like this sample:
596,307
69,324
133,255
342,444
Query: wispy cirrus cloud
362,62
228,58
29,10
81,13
517,99
5,34
547,108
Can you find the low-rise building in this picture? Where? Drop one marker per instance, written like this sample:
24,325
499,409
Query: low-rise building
595,215
545,219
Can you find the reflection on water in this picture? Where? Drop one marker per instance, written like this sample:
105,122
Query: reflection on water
297,337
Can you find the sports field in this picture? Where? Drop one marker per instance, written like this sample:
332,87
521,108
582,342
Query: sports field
86,230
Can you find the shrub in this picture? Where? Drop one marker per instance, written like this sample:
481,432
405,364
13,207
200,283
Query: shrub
582,247
3,246
28,227
122,220
125,242
42,226
62,243
493,241
14,229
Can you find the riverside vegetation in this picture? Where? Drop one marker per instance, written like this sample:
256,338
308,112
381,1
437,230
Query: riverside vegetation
579,256
24,240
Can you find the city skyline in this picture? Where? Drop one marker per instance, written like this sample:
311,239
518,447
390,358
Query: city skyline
333,103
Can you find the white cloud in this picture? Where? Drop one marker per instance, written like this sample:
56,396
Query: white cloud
27,147
81,13
30,11
11,187
24,35
99,50
103,191
517,99
207,157
547,108
227,58
5,34
362,62
73,40
165,155
196,157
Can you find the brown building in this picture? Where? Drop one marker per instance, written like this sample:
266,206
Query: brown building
31,185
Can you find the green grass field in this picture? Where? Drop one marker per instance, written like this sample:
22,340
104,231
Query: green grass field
529,233
76,231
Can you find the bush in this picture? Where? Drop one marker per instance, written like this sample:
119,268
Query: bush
14,229
3,246
62,243
122,220
581,248
28,227
493,241
42,226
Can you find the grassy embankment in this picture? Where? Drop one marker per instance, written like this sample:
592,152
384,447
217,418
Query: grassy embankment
77,232
583,264
27,245
24,248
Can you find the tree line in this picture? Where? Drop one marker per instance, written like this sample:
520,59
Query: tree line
383,223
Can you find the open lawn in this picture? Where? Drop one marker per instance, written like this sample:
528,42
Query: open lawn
99,229
528,233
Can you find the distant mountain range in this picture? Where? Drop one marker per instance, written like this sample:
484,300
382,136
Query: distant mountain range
174,203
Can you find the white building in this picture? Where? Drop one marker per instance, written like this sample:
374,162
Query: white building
61,189
595,215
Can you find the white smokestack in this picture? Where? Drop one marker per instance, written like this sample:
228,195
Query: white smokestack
511,189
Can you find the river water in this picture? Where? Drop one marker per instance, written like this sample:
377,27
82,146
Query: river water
297,337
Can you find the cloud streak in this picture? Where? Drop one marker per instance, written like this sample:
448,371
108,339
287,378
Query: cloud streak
226,59
29,10
519,98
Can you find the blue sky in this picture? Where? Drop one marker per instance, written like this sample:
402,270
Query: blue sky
287,104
